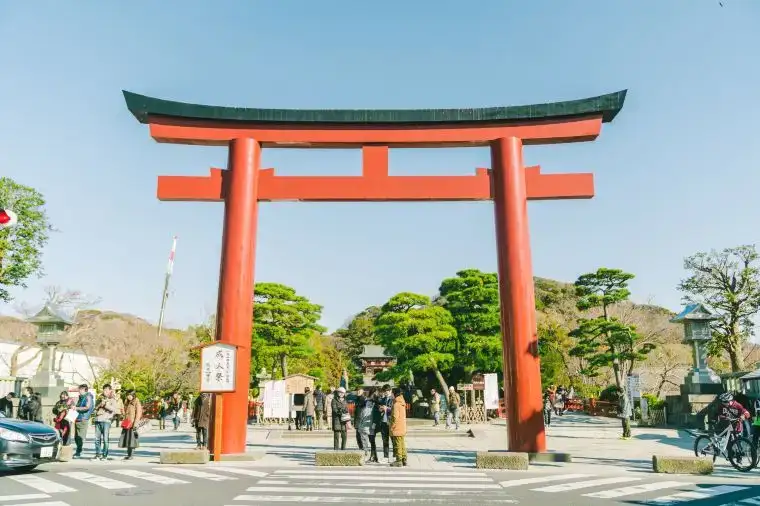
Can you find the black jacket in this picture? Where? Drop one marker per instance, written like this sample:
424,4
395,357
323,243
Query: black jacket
339,407
6,407
34,409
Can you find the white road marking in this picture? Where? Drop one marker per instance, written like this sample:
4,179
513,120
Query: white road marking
753,501
47,503
239,470
702,493
373,472
23,497
542,479
386,484
355,491
344,477
586,484
194,474
275,482
636,489
259,499
155,478
99,481
41,484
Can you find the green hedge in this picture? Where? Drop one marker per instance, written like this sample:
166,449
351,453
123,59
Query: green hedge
501,460
682,465
339,458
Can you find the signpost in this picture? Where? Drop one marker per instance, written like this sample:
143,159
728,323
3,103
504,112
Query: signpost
218,371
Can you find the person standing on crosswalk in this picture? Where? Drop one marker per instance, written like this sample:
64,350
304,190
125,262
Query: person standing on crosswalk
105,408
85,406
201,420
398,428
132,414
340,418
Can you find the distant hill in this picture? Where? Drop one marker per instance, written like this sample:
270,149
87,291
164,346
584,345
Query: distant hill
105,334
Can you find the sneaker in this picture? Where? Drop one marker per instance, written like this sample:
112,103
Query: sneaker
397,463
96,457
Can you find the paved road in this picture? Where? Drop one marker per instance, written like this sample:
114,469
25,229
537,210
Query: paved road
113,483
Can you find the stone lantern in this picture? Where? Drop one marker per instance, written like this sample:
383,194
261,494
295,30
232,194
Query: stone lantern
697,332
52,327
701,384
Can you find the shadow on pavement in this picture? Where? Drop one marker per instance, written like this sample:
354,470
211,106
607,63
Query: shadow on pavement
731,498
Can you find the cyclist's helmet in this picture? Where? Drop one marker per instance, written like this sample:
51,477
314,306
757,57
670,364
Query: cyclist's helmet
726,398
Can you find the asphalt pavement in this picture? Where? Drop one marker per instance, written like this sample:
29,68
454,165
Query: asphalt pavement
115,483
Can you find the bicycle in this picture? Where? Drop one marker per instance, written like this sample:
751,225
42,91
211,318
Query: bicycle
738,450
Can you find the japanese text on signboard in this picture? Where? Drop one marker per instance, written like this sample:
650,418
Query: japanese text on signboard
218,368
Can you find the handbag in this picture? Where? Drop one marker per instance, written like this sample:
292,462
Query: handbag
71,415
345,417
126,424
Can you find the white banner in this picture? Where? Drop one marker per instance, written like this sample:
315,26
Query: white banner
491,391
276,399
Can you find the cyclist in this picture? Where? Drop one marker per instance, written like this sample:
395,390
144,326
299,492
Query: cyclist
730,410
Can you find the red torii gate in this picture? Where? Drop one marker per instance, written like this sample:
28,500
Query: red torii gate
509,183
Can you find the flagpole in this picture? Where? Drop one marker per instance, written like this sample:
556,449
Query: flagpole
169,270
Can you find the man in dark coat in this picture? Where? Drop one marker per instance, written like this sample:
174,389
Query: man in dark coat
6,404
202,419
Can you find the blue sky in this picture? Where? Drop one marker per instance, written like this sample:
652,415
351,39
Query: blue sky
676,172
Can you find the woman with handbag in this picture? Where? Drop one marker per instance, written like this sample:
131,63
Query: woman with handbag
132,415
340,418
60,411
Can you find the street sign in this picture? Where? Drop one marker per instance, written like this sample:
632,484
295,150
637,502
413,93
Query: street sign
218,368
465,386
478,382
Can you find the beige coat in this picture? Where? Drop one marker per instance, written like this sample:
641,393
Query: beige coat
398,417
133,411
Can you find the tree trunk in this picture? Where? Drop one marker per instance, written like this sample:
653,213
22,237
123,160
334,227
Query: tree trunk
626,426
284,365
441,381
736,356
16,364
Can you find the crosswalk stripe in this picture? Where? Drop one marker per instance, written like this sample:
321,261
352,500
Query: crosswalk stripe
542,479
348,477
381,472
702,493
155,478
753,501
260,499
636,489
390,484
564,487
273,482
239,470
42,484
194,474
46,503
23,497
355,491
99,481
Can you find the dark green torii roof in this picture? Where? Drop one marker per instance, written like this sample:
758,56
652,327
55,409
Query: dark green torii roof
608,106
